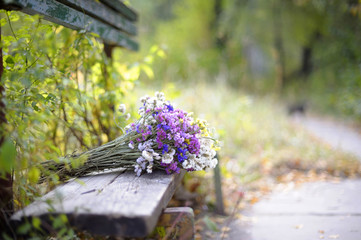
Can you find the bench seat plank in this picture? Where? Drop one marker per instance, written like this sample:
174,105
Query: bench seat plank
116,204
61,14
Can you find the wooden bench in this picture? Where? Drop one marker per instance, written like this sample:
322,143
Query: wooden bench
111,20
117,203
114,204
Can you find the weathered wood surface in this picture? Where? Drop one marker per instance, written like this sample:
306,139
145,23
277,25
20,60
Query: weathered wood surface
117,204
59,13
103,13
121,8
178,223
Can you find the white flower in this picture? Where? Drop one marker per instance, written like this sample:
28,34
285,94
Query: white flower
147,155
141,162
122,108
213,163
138,170
156,155
171,152
186,164
150,168
167,158
160,96
141,111
127,116
144,99
131,145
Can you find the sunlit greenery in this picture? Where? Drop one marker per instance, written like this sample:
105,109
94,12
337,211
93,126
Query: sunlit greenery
236,63
293,48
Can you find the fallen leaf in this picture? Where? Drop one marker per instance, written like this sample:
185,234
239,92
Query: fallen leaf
197,236
254,200
209,234
225,229
321,231
225,235
300,226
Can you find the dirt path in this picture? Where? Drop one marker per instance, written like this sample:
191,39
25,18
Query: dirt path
338,135
317,210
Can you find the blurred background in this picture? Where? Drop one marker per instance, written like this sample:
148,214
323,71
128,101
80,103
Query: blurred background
244,65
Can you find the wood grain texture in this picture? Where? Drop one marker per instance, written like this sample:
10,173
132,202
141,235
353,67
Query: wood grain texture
178,223
103,13
116,204
64,15
121,8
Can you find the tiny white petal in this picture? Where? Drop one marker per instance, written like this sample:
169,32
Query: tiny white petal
147,155
122,108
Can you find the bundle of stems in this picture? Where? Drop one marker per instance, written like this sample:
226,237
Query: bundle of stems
114,154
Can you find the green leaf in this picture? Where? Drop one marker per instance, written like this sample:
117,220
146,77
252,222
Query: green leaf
34,175
3,21
10,61
57,223
80,182
148,70
6,237
36,108
24,228
161,53
63,218
210,224
77,162
161,231
36,222
7,156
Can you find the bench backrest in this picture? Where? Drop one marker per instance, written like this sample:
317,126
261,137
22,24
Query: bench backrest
111,20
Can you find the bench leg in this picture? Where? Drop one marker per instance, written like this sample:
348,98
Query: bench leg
176,223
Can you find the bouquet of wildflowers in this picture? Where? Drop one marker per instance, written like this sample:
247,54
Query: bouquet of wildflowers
162,138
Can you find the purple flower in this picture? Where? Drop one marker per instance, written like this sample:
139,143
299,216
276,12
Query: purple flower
181,154
170,107
165,148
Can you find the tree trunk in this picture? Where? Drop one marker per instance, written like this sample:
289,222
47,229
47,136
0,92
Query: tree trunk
307,64
220,38
280,57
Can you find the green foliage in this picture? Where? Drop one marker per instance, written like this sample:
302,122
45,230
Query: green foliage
62,92
211,225
160,231
260,46
7,157
62,95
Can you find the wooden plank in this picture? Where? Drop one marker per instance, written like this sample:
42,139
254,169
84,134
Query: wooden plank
103,13
121,8
116,204
178,223
68,17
